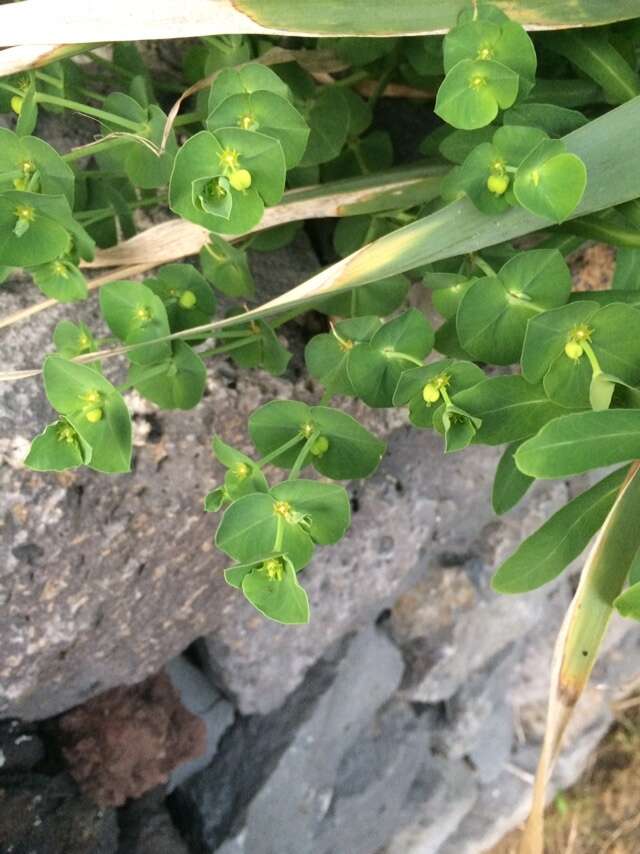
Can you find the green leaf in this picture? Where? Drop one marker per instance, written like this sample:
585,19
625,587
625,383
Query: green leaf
550,182
509,484
249,528
474,91
227,268
378,298
268,113
326,505
593,54
31,163
200,176
176,384
187,297
60,280
627,604
40,240
375,368
544,555
327,355
552,119
547,334
280,599
58,448
493,313
94,408
243,476
505,42
136,315
328,120
72,340
262,348
423,403
509,407
581,441
245,80
351,452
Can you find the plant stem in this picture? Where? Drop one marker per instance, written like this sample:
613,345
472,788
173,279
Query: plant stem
280,450
146,375
277,546
394,354
304,452
481,264
94,148
93,112
227,348
593,359
188,119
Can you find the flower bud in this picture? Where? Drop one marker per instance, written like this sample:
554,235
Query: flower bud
430,393
573,350
187,299
94,415
498,184
320,446
240,179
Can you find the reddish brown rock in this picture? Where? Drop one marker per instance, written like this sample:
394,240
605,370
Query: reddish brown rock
127,740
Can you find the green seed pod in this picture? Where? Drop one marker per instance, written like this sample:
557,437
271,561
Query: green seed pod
498,184
16,104
573,350
430,393
187,299
320,446
94,415
240,179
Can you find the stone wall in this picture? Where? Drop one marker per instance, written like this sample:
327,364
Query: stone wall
406,718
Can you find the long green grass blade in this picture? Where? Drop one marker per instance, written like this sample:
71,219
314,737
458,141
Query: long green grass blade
41,22
581,636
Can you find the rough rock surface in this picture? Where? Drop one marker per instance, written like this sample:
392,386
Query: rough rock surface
126,741
47,815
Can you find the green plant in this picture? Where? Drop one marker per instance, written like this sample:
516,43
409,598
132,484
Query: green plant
538,139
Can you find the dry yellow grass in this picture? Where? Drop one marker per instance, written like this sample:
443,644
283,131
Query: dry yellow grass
601,813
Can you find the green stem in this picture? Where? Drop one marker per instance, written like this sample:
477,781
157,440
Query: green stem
599,230
85,110
94,148
593,359
188,119
146,375
394,354
277,546
481,264
13,89
304,452
91,217
280,450
227,348
354,77
385,77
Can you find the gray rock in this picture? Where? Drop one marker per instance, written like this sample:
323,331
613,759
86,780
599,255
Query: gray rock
21,747
47,815
103,579
441,796
272,786
200,697
146,827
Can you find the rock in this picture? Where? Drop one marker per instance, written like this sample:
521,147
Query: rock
201,699
276,781
451,624
146,827
47,815
126,741
104,579
21,747
441,796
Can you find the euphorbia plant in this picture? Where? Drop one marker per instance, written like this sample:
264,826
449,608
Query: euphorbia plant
537,138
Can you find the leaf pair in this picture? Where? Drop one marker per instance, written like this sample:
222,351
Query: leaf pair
95,428
488,62
521,165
